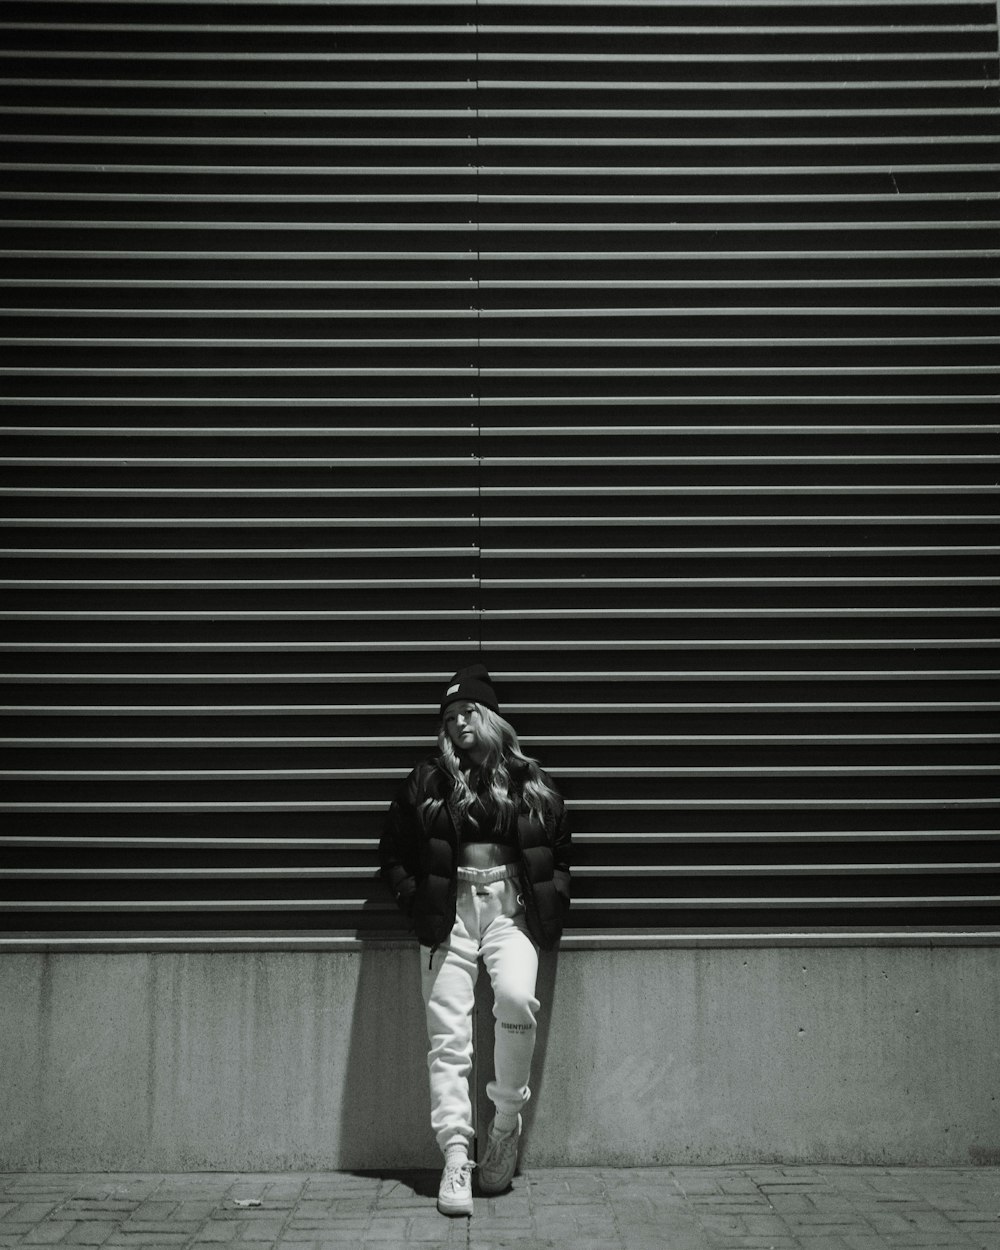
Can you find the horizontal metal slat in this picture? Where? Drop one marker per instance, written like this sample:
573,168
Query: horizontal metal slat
777,902
445,462
375,171
441,343
256,553
906,403
916,611
562,645
610,583
197,905
632,806
624,553
847,771
359,904
600,872
497,553
597,521
604,313
634,938
582,677
579,707
272,741
259,142
824,113
240,844
815,59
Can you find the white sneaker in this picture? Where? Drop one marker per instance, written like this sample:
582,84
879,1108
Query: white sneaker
455,1190
496,1171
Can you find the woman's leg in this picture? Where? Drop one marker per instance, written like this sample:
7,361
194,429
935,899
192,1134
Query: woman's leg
448,982
511,958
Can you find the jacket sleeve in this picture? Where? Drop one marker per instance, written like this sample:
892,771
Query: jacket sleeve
562,847
399,846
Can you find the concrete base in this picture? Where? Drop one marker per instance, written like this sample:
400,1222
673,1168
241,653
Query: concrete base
263,1060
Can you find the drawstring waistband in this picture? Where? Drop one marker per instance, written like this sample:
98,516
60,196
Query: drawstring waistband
483,876
486,876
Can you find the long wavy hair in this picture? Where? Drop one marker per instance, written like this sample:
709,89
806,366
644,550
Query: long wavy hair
512,776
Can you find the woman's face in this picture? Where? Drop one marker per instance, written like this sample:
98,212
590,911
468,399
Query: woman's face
461,723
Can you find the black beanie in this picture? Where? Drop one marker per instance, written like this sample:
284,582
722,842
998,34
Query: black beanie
473,683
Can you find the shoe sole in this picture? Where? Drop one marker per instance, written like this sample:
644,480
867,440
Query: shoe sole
490,1191
464,1208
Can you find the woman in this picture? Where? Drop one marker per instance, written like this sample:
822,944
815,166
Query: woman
476,853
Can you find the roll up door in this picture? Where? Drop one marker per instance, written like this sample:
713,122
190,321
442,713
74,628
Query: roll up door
648,350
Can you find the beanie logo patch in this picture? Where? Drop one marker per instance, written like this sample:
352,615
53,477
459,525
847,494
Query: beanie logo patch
452,689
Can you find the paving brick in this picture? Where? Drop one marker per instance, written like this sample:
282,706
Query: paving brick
746,1241
765,1224
788,1203
47,1233
154,1209
584,1242
155,1245
931,1221
830,1229
40,1182
573,1223
102,1206
30,1212
926,1241
151,1227
483,1227
261,1230
427,1230
148,1238
386,1228
766,1173
285,1193
218,1231
807,1186
345,1229
89,1233
720,1222
344,1208
889,1223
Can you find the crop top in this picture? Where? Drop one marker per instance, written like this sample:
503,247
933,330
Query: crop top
490,825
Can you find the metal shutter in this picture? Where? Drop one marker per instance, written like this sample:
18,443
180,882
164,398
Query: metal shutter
649,349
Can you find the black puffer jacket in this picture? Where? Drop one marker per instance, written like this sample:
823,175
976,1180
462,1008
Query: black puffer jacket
419,862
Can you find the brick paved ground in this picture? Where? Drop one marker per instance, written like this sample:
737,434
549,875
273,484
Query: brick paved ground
681,1208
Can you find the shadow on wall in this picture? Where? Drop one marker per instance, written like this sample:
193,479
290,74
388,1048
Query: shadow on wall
385,1107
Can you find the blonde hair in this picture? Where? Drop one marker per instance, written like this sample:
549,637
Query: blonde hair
502,748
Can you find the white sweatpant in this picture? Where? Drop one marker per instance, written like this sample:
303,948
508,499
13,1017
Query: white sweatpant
489,924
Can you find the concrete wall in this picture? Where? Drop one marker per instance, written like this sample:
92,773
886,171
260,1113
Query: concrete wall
270,1059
